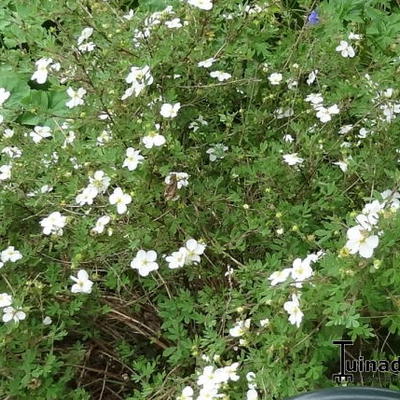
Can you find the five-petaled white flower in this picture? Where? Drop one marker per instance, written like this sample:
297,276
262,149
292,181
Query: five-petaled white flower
139,78
293,309
324,114
82,282
100,181
53,224
361,241
240,328
170,110
221,76
121,199
76,97
279,276
145,262
194,250
301,270
275,78
5,300
292,159
10,254
202,4
42,65
153,138
314,98
87,196
39,133
207,63
4,95
346,49
133,159
101,224
12,314
177,258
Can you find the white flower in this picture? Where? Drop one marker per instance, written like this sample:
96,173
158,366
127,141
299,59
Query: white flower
40,75
283,112
87,47
121,199
251,394
360,242
363,133
345,129
87,196
53,224
133,159
170,110
202,4
76,97
346,50
100,181
342,165
55,67
5,300
181,179
207,63
292,159
325,114
140,75
4,95
314,98
47,320
85,35
177,259
194,251
263,322
354,36
129,16
82,282
145,262
100,224
174,23
293,309
275,78
8,133
12,151
5,172
11,314
221,76
1,119
39,133
153,139
301,270
240,328
187,394
311,77
10,254
279,276
139,79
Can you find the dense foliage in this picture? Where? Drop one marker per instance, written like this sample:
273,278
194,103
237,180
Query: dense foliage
196,196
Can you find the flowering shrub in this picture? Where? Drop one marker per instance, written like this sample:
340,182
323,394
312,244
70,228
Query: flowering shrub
197,196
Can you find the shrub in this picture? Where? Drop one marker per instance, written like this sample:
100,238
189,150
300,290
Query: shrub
197,196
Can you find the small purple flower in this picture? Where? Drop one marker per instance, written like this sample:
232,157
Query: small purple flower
313,18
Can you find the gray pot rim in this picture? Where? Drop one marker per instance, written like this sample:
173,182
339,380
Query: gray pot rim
351,393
